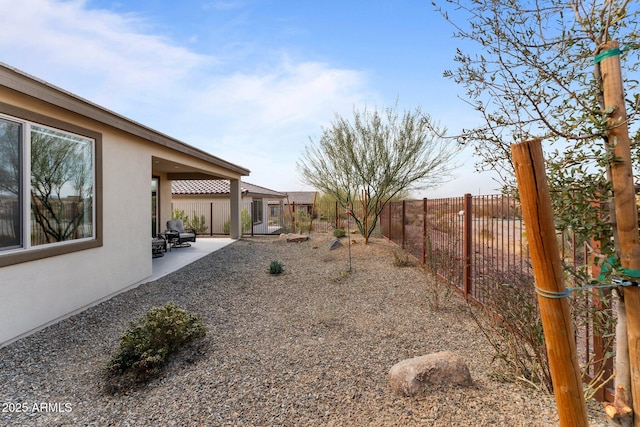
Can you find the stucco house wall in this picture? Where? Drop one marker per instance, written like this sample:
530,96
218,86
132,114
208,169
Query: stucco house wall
216,213
210,200
40,289
303,201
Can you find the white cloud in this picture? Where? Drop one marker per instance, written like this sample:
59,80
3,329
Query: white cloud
264,119
223,5
260,117
285,95
94,53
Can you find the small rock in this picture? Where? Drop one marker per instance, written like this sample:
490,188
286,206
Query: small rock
412,376
334,244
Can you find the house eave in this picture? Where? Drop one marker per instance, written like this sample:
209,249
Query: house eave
21,82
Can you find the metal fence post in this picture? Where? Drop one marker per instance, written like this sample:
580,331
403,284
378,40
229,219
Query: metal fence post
292,209
251,216
467,236
389,232
424,231
404,210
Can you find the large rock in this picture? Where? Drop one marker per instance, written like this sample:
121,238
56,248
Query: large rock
335,243
413,376
294,238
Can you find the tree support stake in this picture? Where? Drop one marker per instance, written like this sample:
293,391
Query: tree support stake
537,213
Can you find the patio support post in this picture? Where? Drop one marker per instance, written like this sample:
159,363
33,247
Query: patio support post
235,229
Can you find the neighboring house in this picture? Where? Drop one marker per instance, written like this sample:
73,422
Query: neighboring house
301,201
207,201
76,182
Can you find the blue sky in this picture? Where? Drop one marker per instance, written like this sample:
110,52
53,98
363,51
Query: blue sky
248,80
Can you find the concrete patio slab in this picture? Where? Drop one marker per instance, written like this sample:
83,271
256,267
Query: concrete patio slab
179,257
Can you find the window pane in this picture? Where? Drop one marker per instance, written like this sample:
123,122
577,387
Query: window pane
155,209
62,178
257,210
10,182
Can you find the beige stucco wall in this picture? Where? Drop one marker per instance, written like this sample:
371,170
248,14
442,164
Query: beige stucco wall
205,206
220,207
38,293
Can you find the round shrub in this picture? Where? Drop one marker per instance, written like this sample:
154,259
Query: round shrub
276,267
146,344
339,232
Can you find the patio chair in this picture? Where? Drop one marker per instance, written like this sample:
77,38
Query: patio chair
158,246
177,236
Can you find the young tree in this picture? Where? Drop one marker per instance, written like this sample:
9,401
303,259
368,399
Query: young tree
534,77
374,157
61,187
537,74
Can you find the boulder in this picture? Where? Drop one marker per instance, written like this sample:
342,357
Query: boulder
413,376
295,238
334,244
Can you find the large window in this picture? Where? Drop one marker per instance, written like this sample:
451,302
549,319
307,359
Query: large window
10,185
155,206
62,178
47,189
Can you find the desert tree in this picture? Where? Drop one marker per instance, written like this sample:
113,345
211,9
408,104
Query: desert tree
61,186
535,72
9,183
376,156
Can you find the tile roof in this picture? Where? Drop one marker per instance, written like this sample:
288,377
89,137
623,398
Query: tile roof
302,197
218,186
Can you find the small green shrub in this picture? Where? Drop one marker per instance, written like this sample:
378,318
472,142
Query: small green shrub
511,323
339,232
304,223
485,234
276,267
402,259
147,343
245,220
180,214
198,223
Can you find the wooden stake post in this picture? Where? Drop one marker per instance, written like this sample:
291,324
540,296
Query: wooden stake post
625,205
545,258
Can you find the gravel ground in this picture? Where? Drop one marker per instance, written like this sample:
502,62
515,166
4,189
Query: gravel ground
310,347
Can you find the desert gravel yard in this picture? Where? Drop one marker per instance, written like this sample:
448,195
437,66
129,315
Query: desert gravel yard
310,347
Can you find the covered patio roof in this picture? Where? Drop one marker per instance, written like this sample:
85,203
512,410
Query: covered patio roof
181,171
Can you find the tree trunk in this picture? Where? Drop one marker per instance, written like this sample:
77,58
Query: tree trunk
620,412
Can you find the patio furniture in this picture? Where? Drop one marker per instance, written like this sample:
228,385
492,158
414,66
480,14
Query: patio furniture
158,246
177,235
